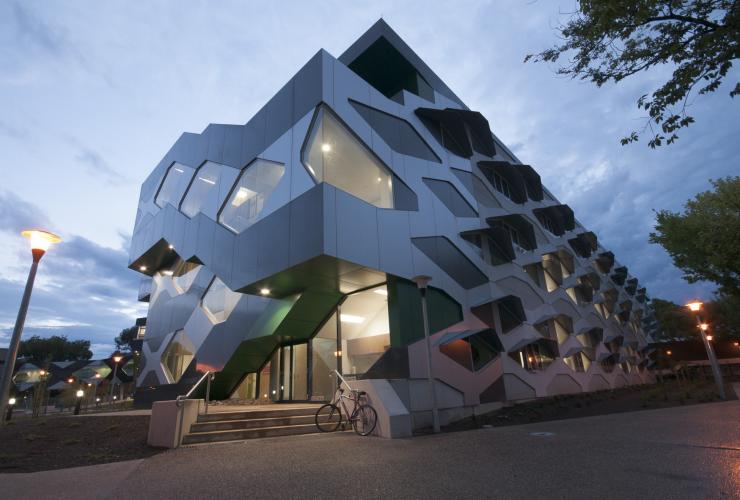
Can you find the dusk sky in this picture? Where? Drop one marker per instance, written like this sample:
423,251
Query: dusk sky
93,94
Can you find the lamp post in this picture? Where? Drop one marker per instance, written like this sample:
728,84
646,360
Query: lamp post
695,307
11,404
116,359
79,394
421,283
40,242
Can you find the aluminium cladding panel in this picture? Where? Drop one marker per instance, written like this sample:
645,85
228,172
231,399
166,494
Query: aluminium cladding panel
236,145
274,244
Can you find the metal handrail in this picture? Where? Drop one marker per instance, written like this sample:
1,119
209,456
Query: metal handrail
180,400
343,380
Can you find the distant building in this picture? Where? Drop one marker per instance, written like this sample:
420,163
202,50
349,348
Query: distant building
277,251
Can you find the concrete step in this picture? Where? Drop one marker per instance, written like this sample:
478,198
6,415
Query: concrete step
254,414
251,423
240,434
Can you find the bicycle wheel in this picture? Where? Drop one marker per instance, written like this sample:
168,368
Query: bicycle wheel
364,419
328,418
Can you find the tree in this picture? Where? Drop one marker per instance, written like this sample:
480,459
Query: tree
703,241
124,340
723,314
674,321
55,348
611,40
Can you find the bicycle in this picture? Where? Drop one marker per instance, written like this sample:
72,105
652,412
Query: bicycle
363,417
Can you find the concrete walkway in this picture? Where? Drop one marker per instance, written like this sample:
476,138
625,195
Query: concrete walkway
684,452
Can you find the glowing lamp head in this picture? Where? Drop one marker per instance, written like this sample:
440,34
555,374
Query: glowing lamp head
117,358
11,401
80,393
70,380
668,353
40,240
264,291
42,372
326,147
694,306
710,337
97,375
704,327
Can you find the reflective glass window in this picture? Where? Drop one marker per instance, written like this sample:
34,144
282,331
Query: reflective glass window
177,356
324,360
203,193
219,301
174,185
365,330
332,154
247,200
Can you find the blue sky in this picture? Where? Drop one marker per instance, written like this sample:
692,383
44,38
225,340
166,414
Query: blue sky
92,95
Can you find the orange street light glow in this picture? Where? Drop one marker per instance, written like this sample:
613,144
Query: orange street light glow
694,306
40,240
117,359
704,327
710,337
668,353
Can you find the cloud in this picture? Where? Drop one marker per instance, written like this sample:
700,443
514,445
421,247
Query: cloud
83,290
17,214
97,166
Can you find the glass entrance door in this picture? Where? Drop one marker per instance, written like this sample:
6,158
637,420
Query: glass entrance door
293,372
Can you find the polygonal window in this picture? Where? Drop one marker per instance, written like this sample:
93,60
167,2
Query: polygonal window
174,185
203,194
536,356
451,197
219,301
475,351
332,154
476,187
247,200
177,356
183,275
579,362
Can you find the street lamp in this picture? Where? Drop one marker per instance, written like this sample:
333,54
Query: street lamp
40,242
78,403
695,307
11,404
421,283
116,359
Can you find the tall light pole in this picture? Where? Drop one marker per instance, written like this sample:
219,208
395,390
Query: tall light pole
40,242
695,307
421,283
116,359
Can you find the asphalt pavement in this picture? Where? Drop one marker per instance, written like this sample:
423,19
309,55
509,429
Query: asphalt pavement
688,452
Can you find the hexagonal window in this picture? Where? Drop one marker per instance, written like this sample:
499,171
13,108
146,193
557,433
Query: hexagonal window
177,356
183,275
332,154
253,188
578,362
174,185
219,301
202,195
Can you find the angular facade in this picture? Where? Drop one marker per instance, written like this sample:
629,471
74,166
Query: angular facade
280,250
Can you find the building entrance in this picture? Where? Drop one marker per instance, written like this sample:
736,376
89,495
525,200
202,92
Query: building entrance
351,340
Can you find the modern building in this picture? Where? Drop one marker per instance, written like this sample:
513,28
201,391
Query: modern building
280,250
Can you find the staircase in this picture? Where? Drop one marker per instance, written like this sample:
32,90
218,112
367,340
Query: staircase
252,423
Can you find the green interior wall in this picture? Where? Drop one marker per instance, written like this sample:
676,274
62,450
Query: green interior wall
287,321
405,315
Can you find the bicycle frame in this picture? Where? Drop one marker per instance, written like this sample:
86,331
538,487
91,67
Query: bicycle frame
340,400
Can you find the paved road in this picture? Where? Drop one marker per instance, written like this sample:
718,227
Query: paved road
686,452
